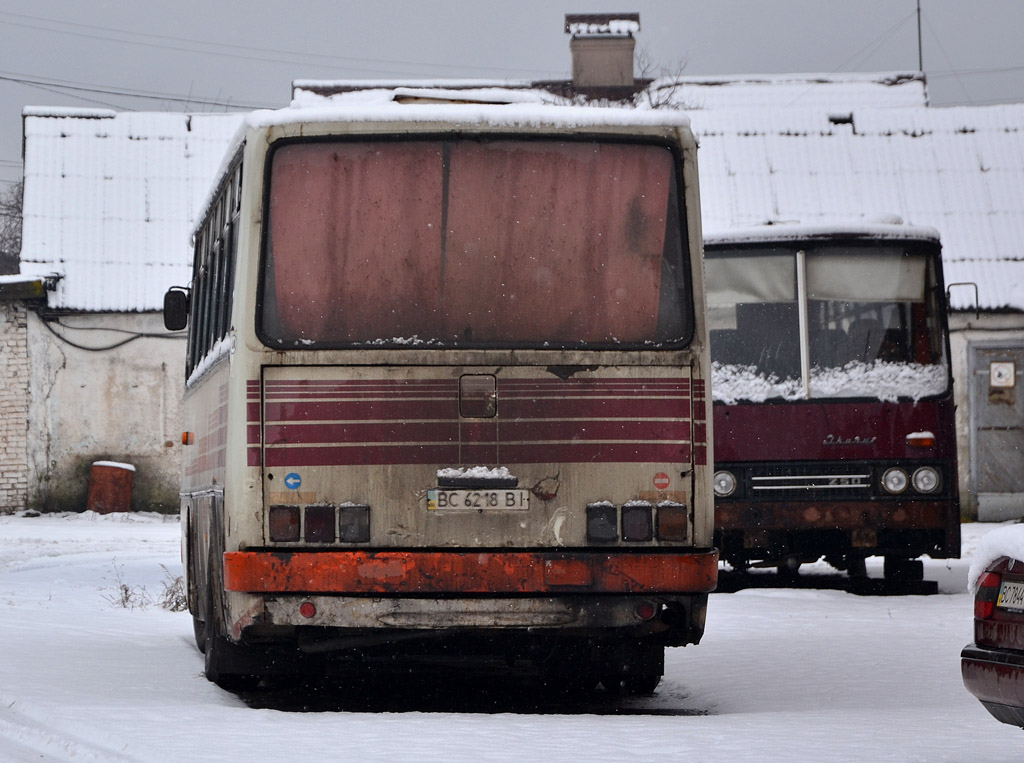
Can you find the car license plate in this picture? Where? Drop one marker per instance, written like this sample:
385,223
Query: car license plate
1011,596
478,500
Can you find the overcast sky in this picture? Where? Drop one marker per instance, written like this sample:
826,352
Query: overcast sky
212,55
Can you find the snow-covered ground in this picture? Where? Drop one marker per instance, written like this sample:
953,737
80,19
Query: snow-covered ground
782,675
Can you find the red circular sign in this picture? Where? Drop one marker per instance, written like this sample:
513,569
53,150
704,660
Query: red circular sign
661,480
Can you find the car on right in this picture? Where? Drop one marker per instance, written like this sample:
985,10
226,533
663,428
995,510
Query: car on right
993,665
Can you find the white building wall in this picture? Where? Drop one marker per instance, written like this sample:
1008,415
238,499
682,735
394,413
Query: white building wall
119,400
14,403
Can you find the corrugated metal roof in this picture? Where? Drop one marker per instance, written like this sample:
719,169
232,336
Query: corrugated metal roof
110,200
826,92
958,170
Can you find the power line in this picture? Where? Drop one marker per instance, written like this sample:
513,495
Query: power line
870,49
245,52
61,86
949,62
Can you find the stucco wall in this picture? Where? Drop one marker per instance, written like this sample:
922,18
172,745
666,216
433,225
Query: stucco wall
14,401
119,403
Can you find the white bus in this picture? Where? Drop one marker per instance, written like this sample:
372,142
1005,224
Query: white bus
446,393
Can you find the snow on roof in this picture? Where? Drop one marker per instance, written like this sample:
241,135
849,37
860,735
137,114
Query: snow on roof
529,113
825,92
889,227
110,199
958,170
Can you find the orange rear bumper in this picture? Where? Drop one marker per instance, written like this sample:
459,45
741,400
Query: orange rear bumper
413,573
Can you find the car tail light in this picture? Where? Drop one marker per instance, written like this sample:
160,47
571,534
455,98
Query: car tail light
637,524
319,525
985,598
284,523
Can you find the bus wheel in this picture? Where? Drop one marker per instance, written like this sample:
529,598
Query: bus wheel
856,567
231,666
199,633
644,683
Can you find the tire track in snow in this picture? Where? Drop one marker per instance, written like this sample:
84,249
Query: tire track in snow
23,737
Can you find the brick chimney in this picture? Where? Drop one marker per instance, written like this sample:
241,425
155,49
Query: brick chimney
602,51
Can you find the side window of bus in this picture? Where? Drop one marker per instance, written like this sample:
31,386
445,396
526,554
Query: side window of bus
213,273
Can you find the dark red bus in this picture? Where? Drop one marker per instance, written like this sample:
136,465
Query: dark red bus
833,398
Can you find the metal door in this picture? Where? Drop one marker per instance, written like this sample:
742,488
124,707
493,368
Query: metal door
997,430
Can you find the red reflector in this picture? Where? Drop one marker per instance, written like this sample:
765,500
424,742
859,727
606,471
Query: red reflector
307,609
983,609
645,610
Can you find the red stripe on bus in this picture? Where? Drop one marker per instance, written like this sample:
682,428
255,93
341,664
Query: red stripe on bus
396,410
700,433
352,433
452,572
631,453
362,455
577,408
446,452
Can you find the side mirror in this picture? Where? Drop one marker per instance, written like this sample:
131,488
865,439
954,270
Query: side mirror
176,308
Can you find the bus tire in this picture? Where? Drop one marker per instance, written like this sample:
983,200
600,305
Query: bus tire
199,633
644,683
909,570
231,666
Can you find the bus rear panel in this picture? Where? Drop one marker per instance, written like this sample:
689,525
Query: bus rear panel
462,404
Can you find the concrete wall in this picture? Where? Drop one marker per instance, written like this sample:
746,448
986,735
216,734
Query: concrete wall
14,403
117,403
967,330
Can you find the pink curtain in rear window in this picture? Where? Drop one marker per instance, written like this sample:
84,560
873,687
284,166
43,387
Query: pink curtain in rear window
544,241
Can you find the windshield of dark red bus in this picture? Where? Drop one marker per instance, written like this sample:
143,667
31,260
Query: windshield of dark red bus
873,323
474,243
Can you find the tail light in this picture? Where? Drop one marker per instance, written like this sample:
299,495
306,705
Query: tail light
985,598
601,523
284,523
672,521
319,524
637,522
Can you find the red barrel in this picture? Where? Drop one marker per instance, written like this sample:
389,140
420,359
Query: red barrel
110,487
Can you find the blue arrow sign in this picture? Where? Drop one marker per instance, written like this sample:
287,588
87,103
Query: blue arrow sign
292,481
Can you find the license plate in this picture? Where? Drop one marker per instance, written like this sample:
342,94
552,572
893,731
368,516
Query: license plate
478,500
1011,595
